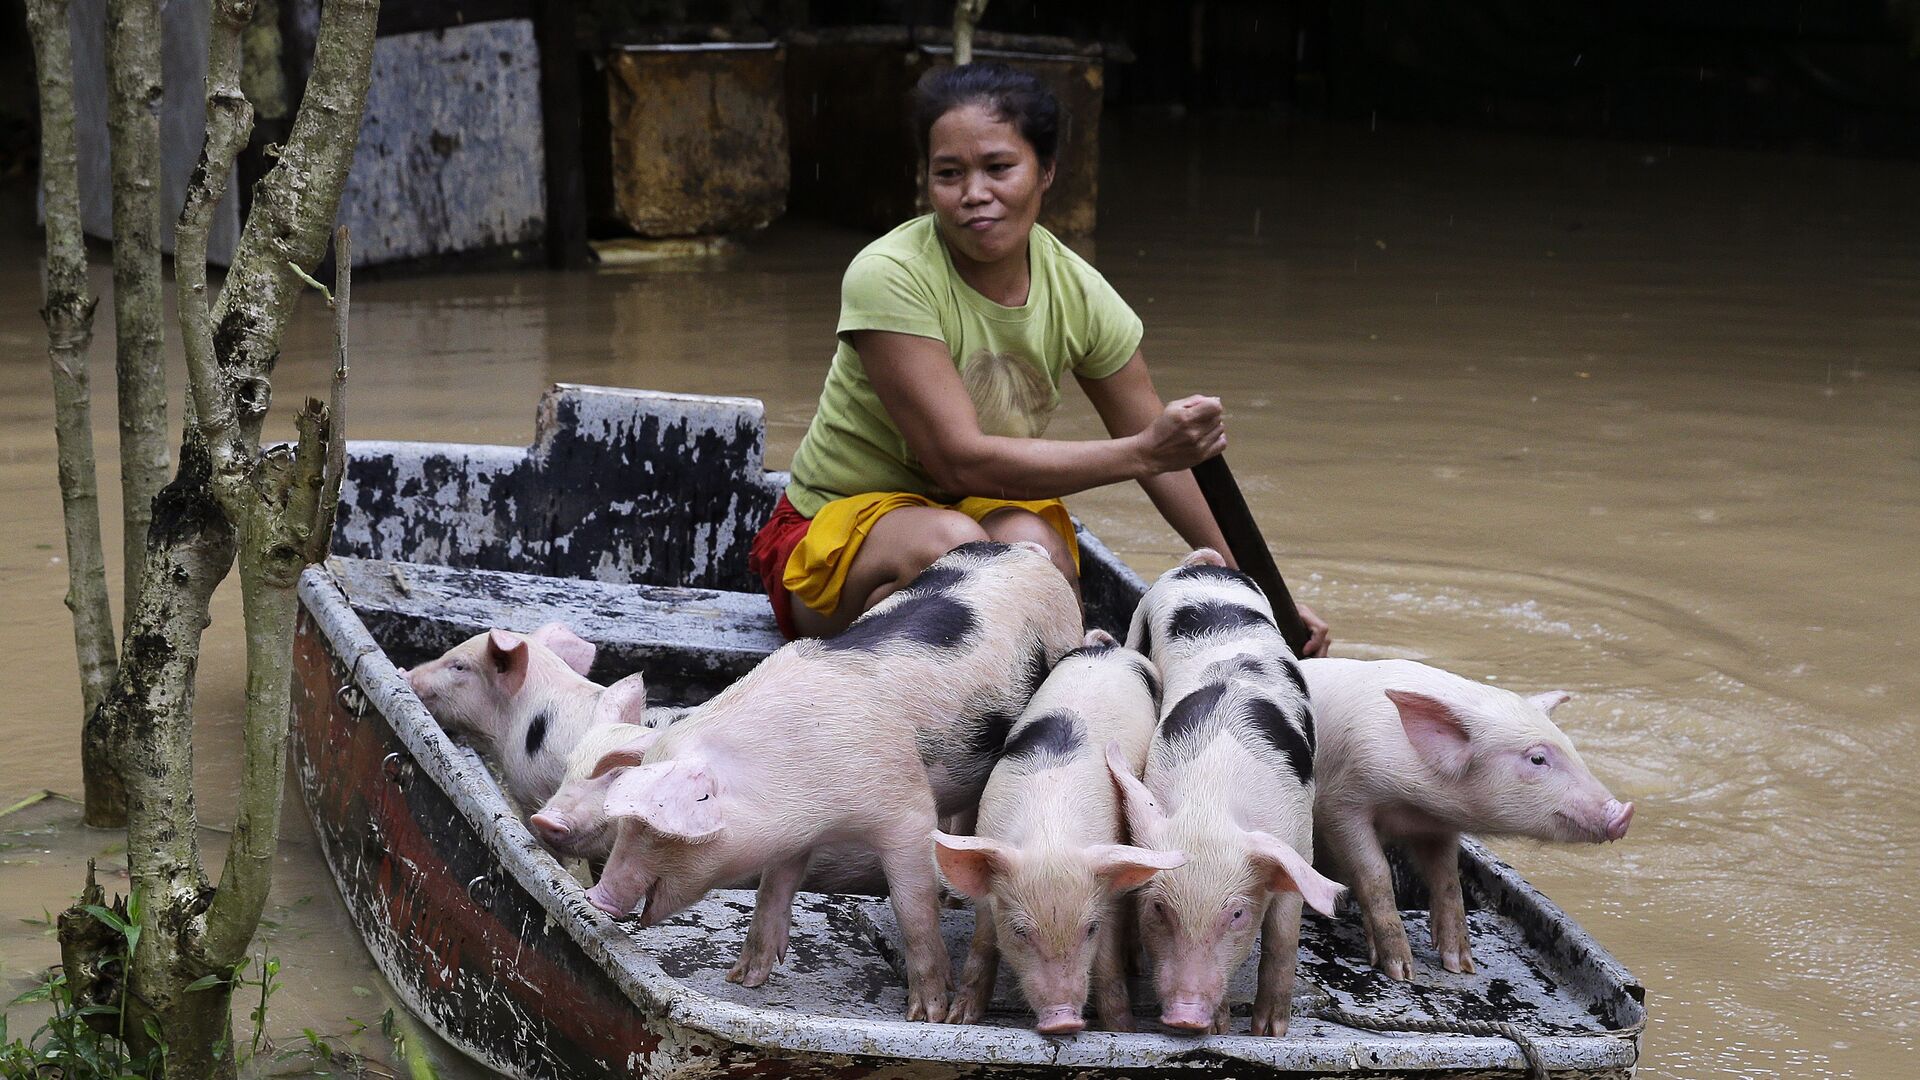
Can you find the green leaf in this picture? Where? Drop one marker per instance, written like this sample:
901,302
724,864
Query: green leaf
205,981
361,991
38,993
108,917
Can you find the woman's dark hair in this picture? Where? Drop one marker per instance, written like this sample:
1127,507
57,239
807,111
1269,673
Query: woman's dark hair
1015,96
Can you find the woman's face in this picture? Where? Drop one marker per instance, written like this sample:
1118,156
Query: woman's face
985,182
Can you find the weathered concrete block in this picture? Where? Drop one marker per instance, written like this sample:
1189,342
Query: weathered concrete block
451,156
699,136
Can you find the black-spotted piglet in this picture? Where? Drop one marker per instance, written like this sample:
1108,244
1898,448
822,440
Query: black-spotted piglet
1229,781
1048,857
523,701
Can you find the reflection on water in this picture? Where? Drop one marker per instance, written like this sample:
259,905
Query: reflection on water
1637,422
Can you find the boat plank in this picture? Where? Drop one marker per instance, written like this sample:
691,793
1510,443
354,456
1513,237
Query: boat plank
689,642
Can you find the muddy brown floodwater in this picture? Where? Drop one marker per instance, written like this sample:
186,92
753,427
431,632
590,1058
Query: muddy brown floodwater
1635,421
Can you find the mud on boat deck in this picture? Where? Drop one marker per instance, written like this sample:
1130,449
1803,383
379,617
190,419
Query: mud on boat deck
845,952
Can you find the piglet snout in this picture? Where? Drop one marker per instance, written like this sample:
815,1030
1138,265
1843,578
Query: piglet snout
552,828
1059,1020
1619,816
598,898
1187,1015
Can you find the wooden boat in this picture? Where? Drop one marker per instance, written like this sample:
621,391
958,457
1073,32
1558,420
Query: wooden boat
630,517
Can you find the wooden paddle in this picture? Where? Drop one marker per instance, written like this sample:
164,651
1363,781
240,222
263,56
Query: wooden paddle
1249,547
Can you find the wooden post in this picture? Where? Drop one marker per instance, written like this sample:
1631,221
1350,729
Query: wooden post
560,120
966,15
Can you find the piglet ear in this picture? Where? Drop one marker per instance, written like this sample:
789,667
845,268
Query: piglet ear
1144,817
626,757
625,702
672,798
1435,730
507,656
1203,557
575,650
1550,700
1032,546
1285,871
1098,638
1124,867
970,863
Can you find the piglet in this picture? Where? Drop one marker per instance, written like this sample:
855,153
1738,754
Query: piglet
866,737
1229,782
1414,754
522,700
1047,859
574,823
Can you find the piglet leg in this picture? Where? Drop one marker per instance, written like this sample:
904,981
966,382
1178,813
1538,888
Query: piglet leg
766,943
1110,1003
1279,956
1439,860
1356,846
983,966
915,894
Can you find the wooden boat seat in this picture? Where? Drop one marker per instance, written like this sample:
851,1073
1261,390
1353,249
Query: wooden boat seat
689,641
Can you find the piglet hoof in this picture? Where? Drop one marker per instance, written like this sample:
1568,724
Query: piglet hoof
1457,962
1267,1023
1270,1015
967,1008
752,969
927,1004
1395,963
1222,1020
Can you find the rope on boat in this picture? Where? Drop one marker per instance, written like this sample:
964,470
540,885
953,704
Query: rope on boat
1334,1013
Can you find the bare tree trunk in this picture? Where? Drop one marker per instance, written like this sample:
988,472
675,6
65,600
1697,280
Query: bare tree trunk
69,317
278,505
133,121
966,14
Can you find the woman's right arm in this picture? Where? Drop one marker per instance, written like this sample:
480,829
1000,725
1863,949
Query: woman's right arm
923,395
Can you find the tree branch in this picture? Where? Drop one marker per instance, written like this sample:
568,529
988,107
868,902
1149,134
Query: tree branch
294,205
133,120
69,318
229,122
337,409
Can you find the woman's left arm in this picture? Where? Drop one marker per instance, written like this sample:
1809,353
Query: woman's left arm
1127,402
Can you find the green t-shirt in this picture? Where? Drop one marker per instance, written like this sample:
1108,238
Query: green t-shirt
1012,360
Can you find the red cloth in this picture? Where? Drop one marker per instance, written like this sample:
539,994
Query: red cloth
772,546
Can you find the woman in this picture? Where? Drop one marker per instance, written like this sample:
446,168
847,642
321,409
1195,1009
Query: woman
956,331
